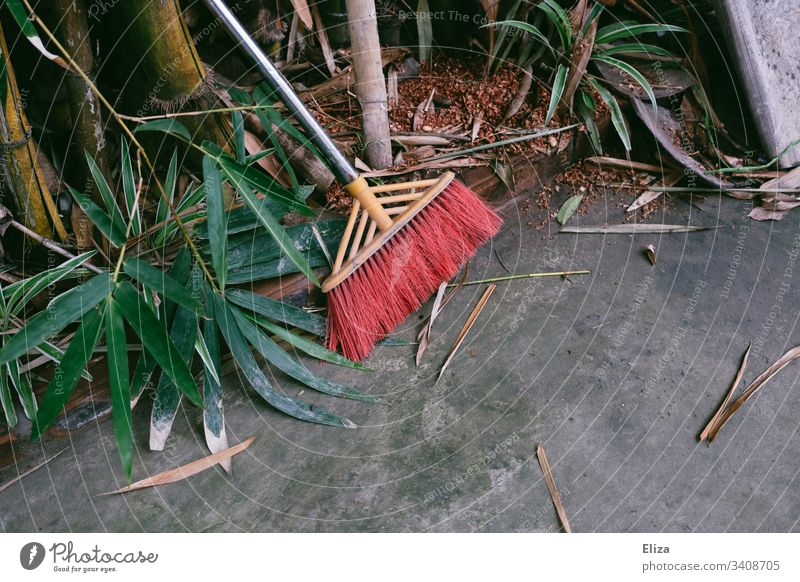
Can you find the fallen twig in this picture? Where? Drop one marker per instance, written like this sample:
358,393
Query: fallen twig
467,326
526,276
551,485
634,229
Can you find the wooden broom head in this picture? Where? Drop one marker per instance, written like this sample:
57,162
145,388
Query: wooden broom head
362,238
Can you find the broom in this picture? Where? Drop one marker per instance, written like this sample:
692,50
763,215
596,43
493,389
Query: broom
402,241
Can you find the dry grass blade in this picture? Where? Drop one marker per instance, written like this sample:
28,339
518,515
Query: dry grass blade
752,388
21,476
185,471
424,335
715,419
302,10
438,306
623,164
634,229
551,485
467,326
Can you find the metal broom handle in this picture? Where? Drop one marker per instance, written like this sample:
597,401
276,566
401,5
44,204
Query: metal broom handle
336,161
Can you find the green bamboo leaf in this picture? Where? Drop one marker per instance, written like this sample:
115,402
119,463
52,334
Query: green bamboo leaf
213,414
588,119
278,357
6,401
119,384
594,14
278,311
634,74
258,380
268,117
275,229
215,205
56,354
169,126
110,228
168,397
20,293
258,180
129,189
311,348
209,364
628,29
62,311
238,134
22,385
109,200
265,97
155,340
568,208
560,19
146,366
20,14
635,47
531,29
558,90
163,283
162,211
617,119
68,372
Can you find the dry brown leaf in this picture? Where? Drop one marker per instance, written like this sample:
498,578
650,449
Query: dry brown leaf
21,476
714,419
302,10
467,326
634,229
786,181
650,253
551,485
324,43
752,388
477,122
438,307
604,161
652,195
185,471
762,214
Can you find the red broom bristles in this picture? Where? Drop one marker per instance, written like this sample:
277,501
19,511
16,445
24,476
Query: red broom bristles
396,280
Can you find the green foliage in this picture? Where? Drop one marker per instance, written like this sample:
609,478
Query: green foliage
559,38
181,314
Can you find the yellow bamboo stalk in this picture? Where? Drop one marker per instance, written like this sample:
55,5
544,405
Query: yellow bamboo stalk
22,174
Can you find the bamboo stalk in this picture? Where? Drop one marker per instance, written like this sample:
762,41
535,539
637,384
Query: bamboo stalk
21,176
370,82
70,24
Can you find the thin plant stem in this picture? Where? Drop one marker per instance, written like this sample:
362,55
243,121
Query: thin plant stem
193,113
526,276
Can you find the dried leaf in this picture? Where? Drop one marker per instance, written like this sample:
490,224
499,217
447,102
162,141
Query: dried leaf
650,253
438,306
551,485
21,476
715,419
789,180
752,388
467,326
477,122
302,10
185,471
762,214
623,164
426,331
568,208
324,43
635,229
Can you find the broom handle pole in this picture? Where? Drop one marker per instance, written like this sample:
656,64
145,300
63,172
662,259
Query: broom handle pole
335,160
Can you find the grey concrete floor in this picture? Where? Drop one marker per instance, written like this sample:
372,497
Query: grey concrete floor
614,373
